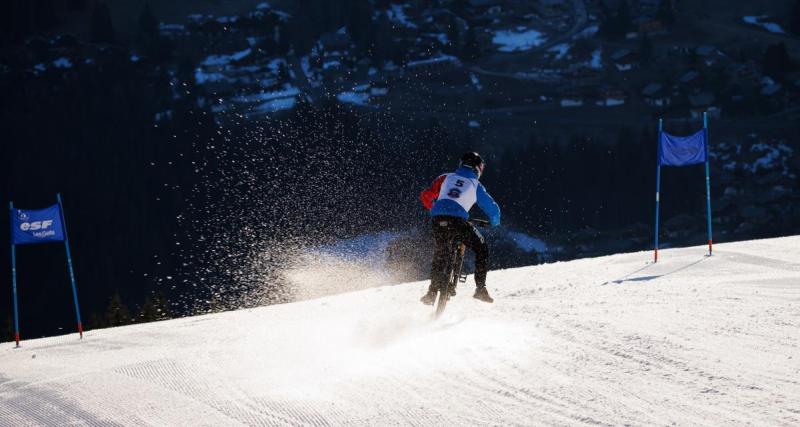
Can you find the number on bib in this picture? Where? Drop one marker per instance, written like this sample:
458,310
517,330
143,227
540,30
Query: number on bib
454,193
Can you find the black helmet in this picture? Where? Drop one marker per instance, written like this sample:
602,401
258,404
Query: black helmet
473,160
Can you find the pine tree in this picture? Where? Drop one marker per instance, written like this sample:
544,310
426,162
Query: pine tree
268,45
645,49
471,49
453,38
303,31
148,24
624,19
9,332
102,30
96,322
283,73
382,43
162,306
334,16
148,311
282,40
117,314
359,24
155,308
156,47
45,14
76,5
776,60
459,7
618,23
665,13
795,18
625,149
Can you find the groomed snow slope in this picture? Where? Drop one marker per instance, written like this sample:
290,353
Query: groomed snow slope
613,340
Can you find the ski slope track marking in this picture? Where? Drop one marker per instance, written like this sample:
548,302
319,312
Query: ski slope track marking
692,340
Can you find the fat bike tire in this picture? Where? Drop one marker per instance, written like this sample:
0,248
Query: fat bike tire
452,281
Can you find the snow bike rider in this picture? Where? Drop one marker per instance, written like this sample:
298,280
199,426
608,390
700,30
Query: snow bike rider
449,200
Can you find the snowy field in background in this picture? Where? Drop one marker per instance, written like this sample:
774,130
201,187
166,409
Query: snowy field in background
518,40
764,22
613,340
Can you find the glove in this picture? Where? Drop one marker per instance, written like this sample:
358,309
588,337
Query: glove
495,221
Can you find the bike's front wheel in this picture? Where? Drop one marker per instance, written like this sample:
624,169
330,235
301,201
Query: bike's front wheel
444,296
453,272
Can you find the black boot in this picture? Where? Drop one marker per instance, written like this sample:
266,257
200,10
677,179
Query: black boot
482,294
430,297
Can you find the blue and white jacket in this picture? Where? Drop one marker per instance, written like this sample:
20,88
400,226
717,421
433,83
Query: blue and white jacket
454,194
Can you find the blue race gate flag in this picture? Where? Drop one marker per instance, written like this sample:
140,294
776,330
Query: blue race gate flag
36,226
39,226
682,151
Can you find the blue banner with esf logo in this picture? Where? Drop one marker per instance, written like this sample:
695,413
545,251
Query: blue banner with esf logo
682,150
36,226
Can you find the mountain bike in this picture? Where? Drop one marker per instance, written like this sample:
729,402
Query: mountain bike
454,268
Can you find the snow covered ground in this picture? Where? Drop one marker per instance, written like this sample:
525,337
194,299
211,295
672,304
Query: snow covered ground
616,340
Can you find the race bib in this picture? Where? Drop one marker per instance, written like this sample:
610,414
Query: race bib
463,191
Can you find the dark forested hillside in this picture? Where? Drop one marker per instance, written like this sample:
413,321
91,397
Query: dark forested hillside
199,146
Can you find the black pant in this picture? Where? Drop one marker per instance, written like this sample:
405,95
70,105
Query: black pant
445,230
